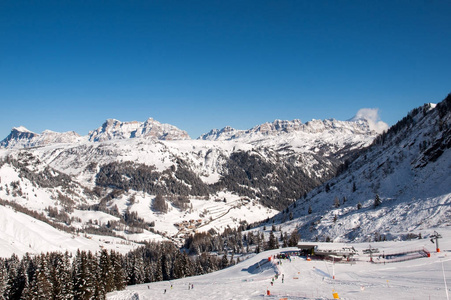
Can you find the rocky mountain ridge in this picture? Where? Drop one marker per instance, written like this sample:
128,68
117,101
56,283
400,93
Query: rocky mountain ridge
147,188
113,129
20,137
397,187
282,127
124,168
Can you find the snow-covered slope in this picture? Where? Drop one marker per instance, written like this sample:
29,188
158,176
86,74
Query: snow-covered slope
20,234
408,168
279,128
422,278
120,170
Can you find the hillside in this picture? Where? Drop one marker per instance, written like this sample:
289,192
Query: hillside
148,176
22,234
407,168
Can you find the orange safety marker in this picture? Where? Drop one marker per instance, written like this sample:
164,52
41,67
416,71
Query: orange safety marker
335,295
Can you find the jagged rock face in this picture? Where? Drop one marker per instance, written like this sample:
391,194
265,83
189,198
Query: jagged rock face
282,127
22,138
225,133
117,130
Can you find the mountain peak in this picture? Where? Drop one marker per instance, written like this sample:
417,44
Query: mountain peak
113,129
21,129
21,137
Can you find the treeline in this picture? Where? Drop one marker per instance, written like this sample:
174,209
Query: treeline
246,174
60,276
276,184
139,177
234,241
46,178
90,276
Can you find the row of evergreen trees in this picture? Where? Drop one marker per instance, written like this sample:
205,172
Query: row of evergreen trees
60,276
90,276
86,275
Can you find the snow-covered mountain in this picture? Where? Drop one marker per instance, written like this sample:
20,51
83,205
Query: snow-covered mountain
133,179
121,169
20,137
407,169
356,126
114,130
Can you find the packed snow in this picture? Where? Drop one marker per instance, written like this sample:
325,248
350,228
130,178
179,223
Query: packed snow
419,278
20,234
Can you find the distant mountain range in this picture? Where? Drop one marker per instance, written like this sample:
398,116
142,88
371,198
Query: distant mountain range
144,180
111,129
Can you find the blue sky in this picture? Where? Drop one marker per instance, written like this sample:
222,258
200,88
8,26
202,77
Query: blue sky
69,65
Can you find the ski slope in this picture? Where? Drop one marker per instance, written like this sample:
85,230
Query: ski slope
421,278
20,234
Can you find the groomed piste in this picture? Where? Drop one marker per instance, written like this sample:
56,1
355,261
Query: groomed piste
262,276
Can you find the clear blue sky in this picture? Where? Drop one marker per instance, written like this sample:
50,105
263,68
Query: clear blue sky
70,65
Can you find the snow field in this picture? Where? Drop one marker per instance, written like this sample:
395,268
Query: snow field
421,278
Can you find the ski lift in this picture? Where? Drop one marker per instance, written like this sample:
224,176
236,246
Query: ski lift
435,237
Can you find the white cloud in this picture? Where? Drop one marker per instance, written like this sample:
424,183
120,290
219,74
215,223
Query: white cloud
372,116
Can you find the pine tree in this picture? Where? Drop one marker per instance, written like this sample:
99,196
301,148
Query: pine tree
294,239
310,209
359,205
41,287
60,275
224,261
29,266
92,269
138,269
106,273
178,270
259,244
17,276
377,201
232,260
3,278
119,278
83,276
272,243
165,266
